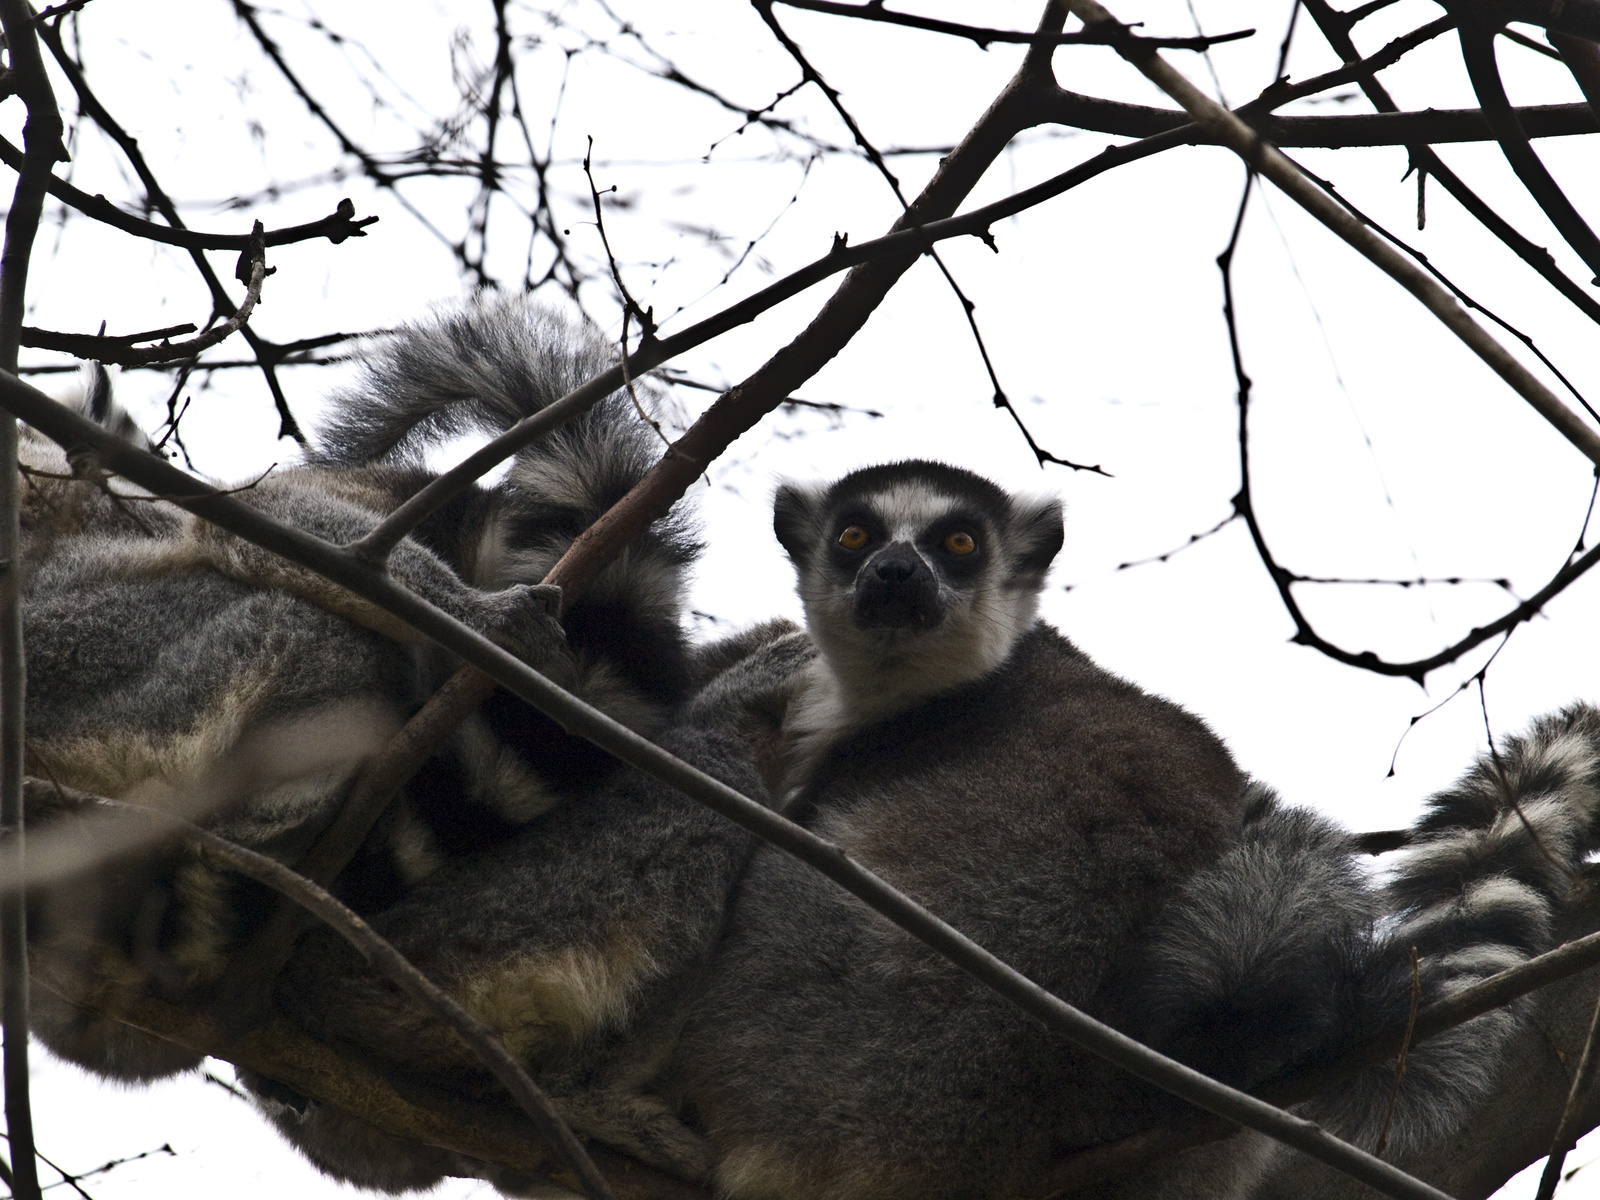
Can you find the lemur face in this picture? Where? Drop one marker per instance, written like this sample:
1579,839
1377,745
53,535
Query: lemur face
916,575
904,556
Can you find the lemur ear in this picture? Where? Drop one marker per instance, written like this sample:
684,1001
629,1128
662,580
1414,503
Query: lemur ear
794,519
1040,532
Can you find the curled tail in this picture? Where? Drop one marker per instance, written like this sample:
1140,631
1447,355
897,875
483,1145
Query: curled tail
476,371
1284,953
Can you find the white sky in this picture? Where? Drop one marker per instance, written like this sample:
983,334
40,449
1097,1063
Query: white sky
1381,448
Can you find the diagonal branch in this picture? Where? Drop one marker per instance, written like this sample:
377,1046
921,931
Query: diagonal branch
267,354
1424,158
41,138
1269,161
1568,1128
339,225
1478,53
1582,57
155,475
873,10
391,963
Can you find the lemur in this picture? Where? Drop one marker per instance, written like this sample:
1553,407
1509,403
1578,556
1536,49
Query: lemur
1099,839
560,897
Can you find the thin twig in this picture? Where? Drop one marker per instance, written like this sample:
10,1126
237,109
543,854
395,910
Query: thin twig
120,351
1270,162
267,354
874,11
1283,92
41,139
1426,160
1568,1129
1400,1059
1522,39
968,307
71,343
1478,53
337,226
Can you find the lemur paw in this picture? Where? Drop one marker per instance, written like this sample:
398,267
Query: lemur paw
522,618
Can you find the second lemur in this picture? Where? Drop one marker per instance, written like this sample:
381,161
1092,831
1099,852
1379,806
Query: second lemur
972,756
1099,839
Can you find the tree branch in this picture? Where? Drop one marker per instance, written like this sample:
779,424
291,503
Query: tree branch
1582,58
1270,162
874,11
1341,130
41,137
1423,158
1478,53
340,224
394,966
266,353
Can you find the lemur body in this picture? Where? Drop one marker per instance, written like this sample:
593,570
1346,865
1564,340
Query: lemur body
1101,841
175,666
977,760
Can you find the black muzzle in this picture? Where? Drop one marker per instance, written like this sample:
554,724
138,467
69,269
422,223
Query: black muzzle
896,589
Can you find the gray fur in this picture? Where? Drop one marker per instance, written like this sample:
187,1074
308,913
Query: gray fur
174,665
901,618
1041,805
1102,842
626,890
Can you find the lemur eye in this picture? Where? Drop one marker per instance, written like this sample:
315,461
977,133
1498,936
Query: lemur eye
960,543
853,538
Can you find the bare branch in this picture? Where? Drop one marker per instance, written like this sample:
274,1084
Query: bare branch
121,352
1568,1130
393,965
1583,60
337,226
267,355
874,11
41,137
1337,30
1281,92
1341,130
1478,52
1270,162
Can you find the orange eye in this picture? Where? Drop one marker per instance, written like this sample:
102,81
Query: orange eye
853,538
960,543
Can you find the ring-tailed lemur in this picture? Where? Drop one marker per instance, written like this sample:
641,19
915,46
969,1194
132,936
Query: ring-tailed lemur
1098,839
543,884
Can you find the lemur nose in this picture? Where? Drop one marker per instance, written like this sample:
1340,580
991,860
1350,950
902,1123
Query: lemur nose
896,563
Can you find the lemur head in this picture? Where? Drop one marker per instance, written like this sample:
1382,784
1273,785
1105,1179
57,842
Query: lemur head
916,576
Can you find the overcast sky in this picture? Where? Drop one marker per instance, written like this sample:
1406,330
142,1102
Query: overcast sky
1381,447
